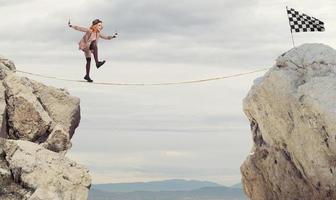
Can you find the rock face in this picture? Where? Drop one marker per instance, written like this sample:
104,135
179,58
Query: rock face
37,123
292,111
35,112
45,174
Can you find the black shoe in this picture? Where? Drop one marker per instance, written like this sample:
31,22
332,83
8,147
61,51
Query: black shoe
88,78
100,63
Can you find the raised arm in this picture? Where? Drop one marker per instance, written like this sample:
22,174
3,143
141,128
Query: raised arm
108,37
78,28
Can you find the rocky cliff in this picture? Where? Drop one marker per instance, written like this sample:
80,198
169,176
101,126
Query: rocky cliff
292,112
37,123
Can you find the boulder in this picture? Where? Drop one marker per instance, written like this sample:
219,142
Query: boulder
61,107
58,140
9,190
6,67
9,64
27,118
35,112
45,174
292,113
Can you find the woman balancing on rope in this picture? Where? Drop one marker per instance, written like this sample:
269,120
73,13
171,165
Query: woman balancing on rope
88,43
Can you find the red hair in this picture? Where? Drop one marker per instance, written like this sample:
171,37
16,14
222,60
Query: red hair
94,28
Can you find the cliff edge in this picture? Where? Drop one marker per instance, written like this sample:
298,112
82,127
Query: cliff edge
292,113
36,125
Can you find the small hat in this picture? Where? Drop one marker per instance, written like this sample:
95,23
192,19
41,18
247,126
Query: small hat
96,21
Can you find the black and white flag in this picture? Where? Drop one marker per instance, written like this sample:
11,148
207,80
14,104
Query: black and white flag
300,22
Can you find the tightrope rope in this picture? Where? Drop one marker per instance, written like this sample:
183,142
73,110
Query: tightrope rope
148,84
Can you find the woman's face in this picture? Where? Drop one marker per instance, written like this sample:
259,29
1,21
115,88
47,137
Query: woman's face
100,26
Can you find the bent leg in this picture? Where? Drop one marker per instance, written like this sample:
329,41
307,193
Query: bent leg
94,49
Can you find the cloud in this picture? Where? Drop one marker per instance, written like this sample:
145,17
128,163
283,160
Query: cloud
195,32
6,3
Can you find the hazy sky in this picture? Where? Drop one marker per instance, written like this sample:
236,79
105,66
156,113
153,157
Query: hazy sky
140,133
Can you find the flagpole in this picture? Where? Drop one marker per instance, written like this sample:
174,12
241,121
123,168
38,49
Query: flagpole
293,39
290,28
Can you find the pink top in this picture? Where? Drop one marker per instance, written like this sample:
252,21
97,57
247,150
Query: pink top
89,36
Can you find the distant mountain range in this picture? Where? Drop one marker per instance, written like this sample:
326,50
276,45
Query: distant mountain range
238,185
155,186
166,190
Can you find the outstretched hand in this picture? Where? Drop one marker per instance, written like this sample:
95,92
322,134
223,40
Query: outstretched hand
114,36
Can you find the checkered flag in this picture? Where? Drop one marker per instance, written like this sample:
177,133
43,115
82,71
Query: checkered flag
300,22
